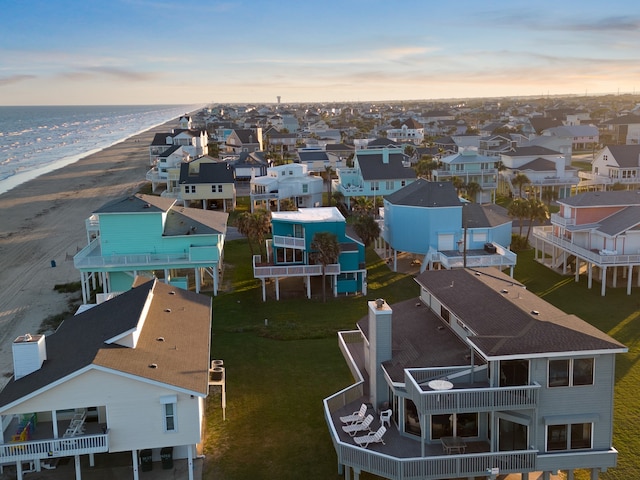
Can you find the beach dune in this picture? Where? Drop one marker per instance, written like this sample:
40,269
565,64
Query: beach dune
42,224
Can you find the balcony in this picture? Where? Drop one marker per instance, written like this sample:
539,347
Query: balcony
476,258
557,219
545,233
91,257
263,270
289,242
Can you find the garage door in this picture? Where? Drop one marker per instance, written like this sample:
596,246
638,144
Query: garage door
445,242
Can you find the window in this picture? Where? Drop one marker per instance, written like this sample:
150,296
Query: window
305,188
571,372
390,184
576,436
375,186
444,313
169,417
219,188
403,183
169,412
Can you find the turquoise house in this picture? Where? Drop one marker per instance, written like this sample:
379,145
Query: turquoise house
146,234
289,251
430,221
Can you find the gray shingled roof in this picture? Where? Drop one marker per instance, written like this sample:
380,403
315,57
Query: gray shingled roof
626,219
538,165
137,203
208,172
423,193
373,168
490,215
194,221
531,150
611,198
627,156
182,359
500,314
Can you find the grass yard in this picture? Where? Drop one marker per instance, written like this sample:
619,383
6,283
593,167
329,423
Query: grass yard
277,375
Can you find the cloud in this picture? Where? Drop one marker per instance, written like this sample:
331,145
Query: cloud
118,73
11,79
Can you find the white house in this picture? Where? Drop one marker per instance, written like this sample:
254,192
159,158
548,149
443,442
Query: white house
286,181
613,164
128,375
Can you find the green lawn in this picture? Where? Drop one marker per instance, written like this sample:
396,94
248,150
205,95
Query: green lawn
277,375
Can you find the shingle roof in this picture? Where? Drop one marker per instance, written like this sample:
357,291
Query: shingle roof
180,317
611,198
374,168
626,219
630,119
137,203
313,156
194,221
490,215
538,165
423,193
208,172
531,150
506,319
627,156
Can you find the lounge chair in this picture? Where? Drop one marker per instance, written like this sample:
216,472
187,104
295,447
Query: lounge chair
355,416
371,437
358,427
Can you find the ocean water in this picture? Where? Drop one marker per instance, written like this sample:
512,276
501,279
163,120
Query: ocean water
36,140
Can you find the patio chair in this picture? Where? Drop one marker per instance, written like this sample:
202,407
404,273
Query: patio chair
371,437
355,416
385,417
358,427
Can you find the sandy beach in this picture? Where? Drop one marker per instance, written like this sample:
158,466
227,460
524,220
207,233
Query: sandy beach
43,221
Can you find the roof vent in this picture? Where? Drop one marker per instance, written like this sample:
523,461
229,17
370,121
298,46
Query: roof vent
535,312
172,292
168,310
147,205
504,290
153,365
160,339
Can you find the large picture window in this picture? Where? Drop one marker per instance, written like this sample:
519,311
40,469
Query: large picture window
575,436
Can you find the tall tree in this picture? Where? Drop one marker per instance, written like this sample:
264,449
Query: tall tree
520,180
538,212
426,166
519,209
367,228
326,178
325,250
458,184
362,206
255,226
472,189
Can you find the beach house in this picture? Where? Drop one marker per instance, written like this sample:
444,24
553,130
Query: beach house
290,251
207,182
476,377
289,181
468,166
376,172
594,233
429,221
146,234
613,164
128,375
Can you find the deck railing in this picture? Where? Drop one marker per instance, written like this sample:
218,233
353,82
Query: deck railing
426,468
289,242
273,271
54,447
91,256
557,219
502,258
545,233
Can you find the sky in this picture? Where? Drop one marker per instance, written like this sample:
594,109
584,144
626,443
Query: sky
103,52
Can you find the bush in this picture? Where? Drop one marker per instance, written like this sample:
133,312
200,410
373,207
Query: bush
518,242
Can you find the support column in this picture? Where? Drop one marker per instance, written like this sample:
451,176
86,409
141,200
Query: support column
92,460
84,287
603,287
524,476
197,274
19,470
264,290
308,284
615,276
570,475
54,421
77,464
629,279
594,473
134,456
277,288
564,263
589,274
190,460
167,279
577,270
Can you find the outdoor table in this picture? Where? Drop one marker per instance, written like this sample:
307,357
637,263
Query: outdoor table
440,385
453,445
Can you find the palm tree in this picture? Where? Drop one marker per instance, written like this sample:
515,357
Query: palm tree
472,189
325,251
458,184
519,209
426,166
549,194
362,206
520,180
367,229
538,211
326,177
255,226
244,227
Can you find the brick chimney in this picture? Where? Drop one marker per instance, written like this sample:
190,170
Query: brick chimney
380,314
29,353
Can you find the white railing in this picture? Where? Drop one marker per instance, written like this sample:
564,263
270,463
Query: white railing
426,468
54,447
90,256
502,258
264,196
289,242
545,233
272,271
557,219
556,181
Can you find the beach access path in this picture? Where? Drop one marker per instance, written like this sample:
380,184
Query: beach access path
43,221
